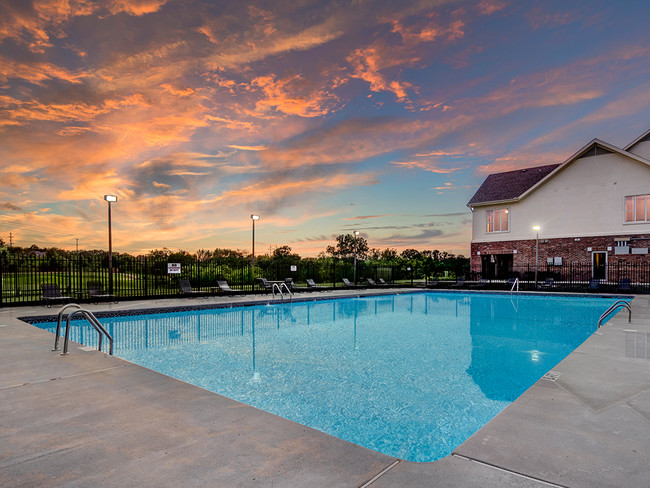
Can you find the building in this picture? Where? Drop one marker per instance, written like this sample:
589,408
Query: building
593,208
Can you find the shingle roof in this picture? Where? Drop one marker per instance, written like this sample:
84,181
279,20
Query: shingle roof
509,185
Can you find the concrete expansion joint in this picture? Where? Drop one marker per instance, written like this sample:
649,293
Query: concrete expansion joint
380,474
508,471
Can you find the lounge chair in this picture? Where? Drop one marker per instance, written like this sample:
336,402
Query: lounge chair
548,284
625,285
594,284
290,284
186,289
265,284
312,286
347,284
224,287
96,292
382,281
460,283
52,293
431,284
481,283
373,284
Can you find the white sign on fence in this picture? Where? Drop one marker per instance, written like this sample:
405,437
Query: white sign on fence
173,268
294,267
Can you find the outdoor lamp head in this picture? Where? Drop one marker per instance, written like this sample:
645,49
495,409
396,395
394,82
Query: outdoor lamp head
255,217
356,232
536,227
110,198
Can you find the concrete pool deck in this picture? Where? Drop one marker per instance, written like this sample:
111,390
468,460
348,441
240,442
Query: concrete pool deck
91,419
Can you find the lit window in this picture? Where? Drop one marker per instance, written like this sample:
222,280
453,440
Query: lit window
497,220
637,208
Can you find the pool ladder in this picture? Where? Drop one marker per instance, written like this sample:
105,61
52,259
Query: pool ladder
90,317
615,306
279,287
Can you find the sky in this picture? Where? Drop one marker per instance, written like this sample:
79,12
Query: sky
322,117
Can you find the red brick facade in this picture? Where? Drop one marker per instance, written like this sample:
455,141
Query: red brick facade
570,249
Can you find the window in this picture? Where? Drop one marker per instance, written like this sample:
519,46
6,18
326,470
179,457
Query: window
637,208
497,220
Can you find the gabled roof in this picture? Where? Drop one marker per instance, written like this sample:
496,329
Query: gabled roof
643,137
510,185
515,185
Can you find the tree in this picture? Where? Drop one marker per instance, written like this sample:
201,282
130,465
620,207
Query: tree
411,254
281,252
346,245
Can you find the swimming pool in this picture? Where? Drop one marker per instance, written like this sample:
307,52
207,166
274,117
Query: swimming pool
411,375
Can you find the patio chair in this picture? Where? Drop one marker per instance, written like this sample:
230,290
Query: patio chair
186,289
460,283
625,285
265,284
548,284
52,293
594,284
373,284
224,288
312,286
382,281
290,284
96,292
347,284
481,283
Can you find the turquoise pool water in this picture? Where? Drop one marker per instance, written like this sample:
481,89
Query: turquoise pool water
411,375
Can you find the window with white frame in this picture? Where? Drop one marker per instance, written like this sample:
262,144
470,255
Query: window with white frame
637,208
497,220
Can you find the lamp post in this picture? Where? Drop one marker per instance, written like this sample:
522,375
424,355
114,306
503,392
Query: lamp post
356,233
536,228
110,199
253,219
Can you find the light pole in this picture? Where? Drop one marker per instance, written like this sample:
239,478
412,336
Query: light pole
253,219
110,199
536,228
356,233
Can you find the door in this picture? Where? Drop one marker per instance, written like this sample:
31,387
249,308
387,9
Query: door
599,265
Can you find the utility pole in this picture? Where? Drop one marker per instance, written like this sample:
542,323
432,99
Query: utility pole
11,241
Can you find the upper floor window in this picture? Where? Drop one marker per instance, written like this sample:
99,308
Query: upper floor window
497,220
637,208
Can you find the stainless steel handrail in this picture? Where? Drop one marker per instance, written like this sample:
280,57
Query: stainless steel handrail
515,283
90,317
58,323
279,288
616,305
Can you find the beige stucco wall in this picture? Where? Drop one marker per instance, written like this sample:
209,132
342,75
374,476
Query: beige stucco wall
584,199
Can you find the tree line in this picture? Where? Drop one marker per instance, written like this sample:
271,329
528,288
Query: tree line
345,248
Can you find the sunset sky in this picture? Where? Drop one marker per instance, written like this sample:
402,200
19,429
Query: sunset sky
323,117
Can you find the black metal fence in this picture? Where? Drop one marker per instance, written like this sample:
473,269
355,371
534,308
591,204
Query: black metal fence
578,277
22,277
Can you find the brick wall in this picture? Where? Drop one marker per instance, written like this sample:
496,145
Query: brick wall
570,249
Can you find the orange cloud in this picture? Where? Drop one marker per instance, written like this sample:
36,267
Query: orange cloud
294,96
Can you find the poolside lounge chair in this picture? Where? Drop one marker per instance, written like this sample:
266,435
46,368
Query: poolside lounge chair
224,287
265,284
290,284
481,283
186,289
548,284
52,293
594,284
96,292
373,284
625,285
347,284
460,283
312,286
382,281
